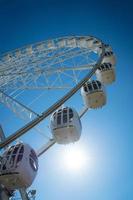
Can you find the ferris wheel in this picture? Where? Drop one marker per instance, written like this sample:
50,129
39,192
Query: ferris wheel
37,82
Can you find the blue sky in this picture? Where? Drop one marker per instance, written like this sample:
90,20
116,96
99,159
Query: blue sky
108,132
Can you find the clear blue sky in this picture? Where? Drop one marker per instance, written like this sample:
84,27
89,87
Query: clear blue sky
107,133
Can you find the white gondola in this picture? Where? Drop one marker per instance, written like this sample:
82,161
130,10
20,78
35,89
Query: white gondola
18,167
66,126
106,73
109,57
107,47
93,94
96,46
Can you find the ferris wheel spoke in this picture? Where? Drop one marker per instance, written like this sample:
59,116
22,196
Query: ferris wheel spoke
17,107
29,72
20,110
33,78
29,59
34,65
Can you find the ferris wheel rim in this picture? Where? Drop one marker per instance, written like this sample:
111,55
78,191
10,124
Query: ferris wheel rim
38,47
48,40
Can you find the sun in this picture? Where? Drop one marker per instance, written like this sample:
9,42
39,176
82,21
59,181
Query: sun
74,158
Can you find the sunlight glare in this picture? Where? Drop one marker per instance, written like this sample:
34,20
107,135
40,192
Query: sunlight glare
75,158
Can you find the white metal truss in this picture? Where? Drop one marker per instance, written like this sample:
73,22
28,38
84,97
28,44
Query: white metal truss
44,66
21,110
36,62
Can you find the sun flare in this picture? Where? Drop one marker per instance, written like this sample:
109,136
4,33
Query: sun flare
75,158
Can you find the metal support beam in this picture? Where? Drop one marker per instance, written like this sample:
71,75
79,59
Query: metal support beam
18,108
2,135
23,194
83,111
45,147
